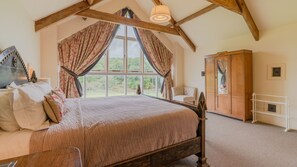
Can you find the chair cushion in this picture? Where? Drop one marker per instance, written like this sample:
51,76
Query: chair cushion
177,91
184,98
190,91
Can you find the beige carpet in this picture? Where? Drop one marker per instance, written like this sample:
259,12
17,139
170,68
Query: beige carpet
232,143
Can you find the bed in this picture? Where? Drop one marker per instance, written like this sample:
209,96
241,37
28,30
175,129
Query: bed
111,131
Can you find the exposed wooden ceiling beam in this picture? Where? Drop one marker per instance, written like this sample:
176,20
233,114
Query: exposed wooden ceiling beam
249,19
240,7
179,30
196,14
57,16
90,2
229,4
169,25
123,20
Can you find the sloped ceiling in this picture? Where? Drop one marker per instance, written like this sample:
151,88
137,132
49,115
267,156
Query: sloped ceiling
214,25
217,24
42,8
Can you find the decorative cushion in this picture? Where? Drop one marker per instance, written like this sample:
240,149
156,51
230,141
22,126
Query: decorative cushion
190,91
60,93
54,107
7,119
184,98
27,107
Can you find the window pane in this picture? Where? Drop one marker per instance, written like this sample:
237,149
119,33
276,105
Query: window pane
127,15
121,30
95,86
100,66
116,85
133,56
132,84
116,55
130,32
147,66
149,85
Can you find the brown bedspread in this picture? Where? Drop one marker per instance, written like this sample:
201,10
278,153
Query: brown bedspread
112,129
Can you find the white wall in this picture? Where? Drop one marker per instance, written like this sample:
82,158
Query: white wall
49,52
275,46
194,64
178,66
17,28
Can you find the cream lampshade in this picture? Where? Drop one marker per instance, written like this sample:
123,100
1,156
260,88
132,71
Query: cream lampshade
160,14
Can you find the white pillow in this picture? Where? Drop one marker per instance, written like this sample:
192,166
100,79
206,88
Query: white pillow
12,85
27,107
7,119
44,87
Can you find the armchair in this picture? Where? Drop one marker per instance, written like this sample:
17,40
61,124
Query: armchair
184,94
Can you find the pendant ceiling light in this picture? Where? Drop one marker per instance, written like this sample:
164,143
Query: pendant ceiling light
160,14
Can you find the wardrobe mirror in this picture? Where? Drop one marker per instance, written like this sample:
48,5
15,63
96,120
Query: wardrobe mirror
222,76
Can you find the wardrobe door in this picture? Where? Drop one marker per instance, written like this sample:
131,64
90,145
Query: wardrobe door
223,84
238,86
248,84
210,83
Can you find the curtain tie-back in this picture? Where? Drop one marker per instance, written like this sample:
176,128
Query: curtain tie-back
166,75
76,81
70,72
163,84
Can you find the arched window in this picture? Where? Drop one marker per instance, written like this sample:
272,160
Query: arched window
122,69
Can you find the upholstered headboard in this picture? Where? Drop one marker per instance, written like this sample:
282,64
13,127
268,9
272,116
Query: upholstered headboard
12,68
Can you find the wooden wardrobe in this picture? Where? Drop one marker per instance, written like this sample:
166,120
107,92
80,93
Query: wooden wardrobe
229,83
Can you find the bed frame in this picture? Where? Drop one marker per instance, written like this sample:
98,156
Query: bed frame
12,69
170,154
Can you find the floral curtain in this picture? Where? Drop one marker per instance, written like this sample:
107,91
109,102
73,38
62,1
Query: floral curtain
79,53
158,56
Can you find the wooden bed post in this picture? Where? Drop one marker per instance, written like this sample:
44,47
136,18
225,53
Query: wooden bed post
202,160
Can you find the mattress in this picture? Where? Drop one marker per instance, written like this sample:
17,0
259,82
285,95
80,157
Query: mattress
13,144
